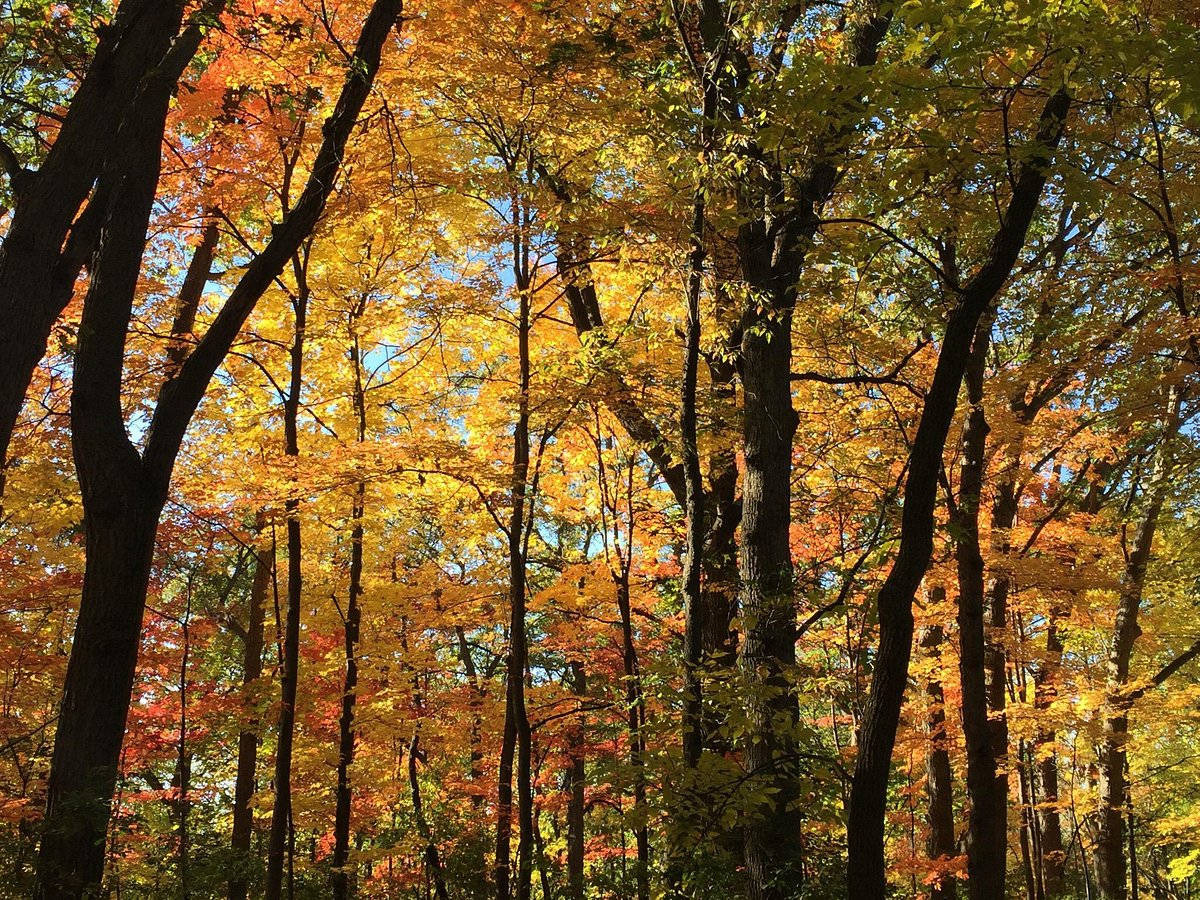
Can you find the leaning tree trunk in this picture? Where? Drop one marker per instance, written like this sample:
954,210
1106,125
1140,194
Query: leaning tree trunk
124,492
866,873
48,242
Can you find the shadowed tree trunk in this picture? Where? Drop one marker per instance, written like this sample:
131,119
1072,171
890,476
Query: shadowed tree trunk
247,755
576,783
281,812
124,491
46,245
866,875
351,625
940,778
988,825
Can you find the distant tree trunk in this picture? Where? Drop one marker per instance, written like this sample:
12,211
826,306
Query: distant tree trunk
278,845
635,712
517,734
247,758
1052,858
939,776
576,784
351,626
866,873
433,862
124,491
987,829
183,759
1111,872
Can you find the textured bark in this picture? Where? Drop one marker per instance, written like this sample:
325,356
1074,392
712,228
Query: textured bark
121,509
988,823
939,776
123,492
1052,857
38,263
247,754
278,845
866,875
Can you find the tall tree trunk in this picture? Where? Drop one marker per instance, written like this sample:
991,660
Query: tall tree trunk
183,761
46,244
281,811
517,734
866,873
1111,870
988,826
247,758
635,713
123,493
1052,857
351,627
939,776
576,798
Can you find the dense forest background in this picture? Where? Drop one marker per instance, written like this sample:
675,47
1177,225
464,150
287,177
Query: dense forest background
575,449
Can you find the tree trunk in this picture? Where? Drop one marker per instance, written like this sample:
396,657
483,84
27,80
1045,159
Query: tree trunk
46,245
1110,838
576,783
123,493
866,874
281,812
351,627
1052,857
987,826
635,713
939,776
247,758
516,718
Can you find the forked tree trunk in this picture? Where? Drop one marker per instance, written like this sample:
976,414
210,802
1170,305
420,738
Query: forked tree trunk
866,873
988,826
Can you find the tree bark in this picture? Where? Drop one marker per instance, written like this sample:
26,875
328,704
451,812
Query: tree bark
939,776
866,874
988,823
351,626
289,664
576,800
46,246
1111,872
517,735
123,492
247,756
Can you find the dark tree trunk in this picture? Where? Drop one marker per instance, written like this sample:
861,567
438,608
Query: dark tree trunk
1111,871
939,776
635,715
576,800
247,758
353,619
987,827
123,493
1051,860
278,845
517,735
45,246
866,875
